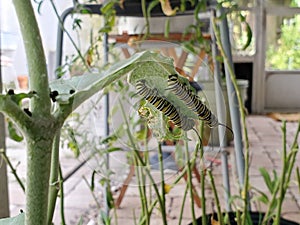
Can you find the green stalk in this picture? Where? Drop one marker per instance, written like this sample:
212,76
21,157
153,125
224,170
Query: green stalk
150,208
288,164
139,175
53,181
182,204
36,61
213,185
161,168
136,152
290,161
61,188
40,126
37,182
69,36
146,16
92,193
243,122
13,170
189,179
146,157
202,174
283,176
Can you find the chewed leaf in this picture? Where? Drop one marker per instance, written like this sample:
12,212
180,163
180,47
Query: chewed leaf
79,88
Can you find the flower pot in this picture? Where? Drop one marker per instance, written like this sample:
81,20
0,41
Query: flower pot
256,218
211,136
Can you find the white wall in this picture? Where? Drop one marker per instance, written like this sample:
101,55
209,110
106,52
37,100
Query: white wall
48,26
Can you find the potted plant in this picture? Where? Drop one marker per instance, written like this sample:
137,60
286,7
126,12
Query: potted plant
40,124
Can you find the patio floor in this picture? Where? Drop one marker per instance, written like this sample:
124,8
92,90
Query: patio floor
265,145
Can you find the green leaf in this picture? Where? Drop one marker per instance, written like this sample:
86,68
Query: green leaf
74,148
17,220
13,132
90,83
249,37
113,149
17,98
265,174
262,197
109,198
298,177
93,180
105,218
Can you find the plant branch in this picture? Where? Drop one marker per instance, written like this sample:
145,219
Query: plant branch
283,176
69,36
214,190
36,61
135,151
61,188
15,113
162,177
53,181
13,170
189,178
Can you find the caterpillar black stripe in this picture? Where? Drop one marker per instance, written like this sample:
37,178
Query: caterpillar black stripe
191,100
152,96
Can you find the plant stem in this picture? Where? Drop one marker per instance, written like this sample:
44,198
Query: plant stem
69,36
62,198
213,185
189,179
141,185
36,61
92,193
53,181
146,16
37,182
136,152
202,175
243,122
39,136
13,170
161,168
289,162
183,203
283,176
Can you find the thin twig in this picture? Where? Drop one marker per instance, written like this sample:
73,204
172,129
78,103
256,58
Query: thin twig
136,152
69,36
213,185
93,194
183,203
189,179
13,170
61,188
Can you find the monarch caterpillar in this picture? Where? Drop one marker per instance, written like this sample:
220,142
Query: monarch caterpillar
152,96
192,101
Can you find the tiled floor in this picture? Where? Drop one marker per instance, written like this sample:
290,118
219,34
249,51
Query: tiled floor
265,149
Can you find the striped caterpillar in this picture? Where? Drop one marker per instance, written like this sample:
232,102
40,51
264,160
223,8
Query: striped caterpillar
152,96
